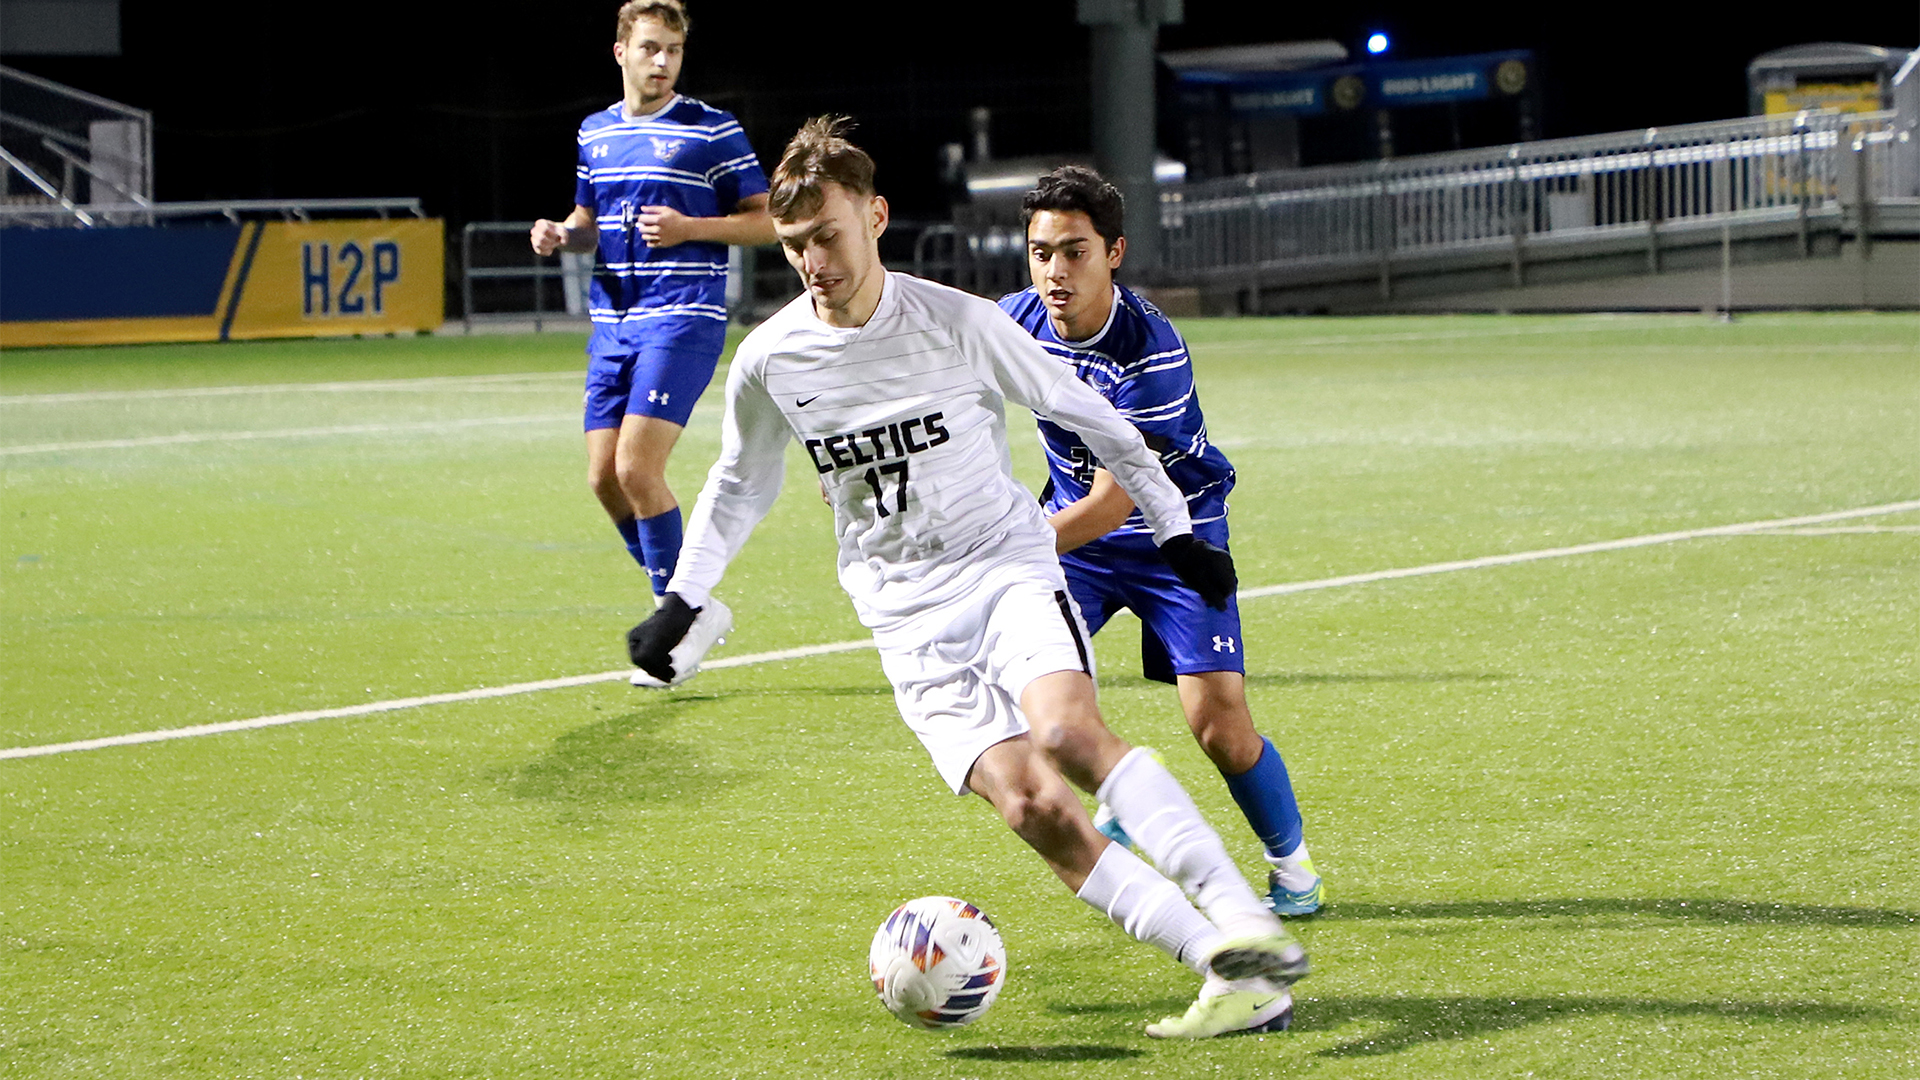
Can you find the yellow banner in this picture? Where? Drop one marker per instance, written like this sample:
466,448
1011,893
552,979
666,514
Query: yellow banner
1847,97
281,279
342,277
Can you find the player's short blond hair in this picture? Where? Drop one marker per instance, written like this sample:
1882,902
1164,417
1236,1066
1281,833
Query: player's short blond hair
671,13
817,155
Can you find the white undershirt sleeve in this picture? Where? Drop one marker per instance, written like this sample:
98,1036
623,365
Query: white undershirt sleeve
740,489
1029,375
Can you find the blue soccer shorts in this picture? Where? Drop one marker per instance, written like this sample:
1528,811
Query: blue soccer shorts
1179,633
663,377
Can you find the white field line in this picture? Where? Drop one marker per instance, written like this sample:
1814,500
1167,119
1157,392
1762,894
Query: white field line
372,707
1465,334
185,438
1843,530
1593,323
750,659
1589,324
1740,529
433,382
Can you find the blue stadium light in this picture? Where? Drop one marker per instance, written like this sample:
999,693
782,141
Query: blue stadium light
1377,43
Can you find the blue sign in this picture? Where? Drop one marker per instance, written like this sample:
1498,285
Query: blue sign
1428,82
1303,100
1377,84
1298,92
113,273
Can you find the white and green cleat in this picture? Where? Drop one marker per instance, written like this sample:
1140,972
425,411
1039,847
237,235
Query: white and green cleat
1278,956
1257,1009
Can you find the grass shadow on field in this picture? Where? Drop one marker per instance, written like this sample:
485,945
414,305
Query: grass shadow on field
1170,1004
1402,1023
1733,912
1327,678
1024,1054
875,689
627,758
622,759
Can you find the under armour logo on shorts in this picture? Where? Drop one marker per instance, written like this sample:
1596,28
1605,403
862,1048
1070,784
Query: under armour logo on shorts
1222,644
658,397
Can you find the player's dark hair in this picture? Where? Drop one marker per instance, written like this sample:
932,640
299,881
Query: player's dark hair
1074,187
817,155
671,13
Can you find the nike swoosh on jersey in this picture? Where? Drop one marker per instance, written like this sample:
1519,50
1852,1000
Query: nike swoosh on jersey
801,403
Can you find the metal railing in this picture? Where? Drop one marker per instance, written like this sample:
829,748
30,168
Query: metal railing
233,210
502,280
1639,184
73,151
986,263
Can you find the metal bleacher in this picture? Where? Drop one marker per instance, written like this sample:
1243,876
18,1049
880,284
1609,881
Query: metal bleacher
1657,199
70,159
63,150
1374,235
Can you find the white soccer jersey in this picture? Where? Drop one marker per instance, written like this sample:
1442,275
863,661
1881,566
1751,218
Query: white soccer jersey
904,420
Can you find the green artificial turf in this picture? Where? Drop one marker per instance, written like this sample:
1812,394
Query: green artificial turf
1645,812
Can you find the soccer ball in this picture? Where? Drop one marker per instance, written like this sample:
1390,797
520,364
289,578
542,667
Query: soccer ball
937,962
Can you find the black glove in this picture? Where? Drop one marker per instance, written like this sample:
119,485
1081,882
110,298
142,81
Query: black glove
1207,570
651,643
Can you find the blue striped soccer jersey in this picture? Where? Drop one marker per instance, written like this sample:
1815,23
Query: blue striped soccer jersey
688,156
1139,362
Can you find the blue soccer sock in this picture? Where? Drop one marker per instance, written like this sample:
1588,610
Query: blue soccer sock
1265,795
630,532
660,539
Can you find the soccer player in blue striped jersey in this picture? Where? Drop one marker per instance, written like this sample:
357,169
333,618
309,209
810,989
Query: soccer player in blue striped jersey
665,183
1123,347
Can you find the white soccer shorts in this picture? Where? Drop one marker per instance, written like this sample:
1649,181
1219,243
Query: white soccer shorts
958,670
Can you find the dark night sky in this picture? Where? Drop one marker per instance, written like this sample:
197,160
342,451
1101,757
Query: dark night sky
473,107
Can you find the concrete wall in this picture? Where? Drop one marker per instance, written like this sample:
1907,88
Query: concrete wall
1768,272
1889,278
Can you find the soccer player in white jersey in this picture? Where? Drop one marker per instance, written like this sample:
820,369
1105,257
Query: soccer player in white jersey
1123,347
664,184
897,388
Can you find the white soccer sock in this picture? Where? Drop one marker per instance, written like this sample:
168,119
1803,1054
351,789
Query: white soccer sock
1158,815
1149,907
1295,868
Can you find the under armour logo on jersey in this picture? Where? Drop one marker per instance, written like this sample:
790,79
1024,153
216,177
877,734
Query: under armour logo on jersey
658,397
1223,644
599,150
665,149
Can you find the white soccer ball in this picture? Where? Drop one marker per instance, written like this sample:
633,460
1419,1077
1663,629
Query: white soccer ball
937,962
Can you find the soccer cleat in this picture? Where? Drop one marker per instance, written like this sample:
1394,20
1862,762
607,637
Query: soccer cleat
1109,827
710,626
1286,902
703,630
1278,956
640,677
1239,1012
